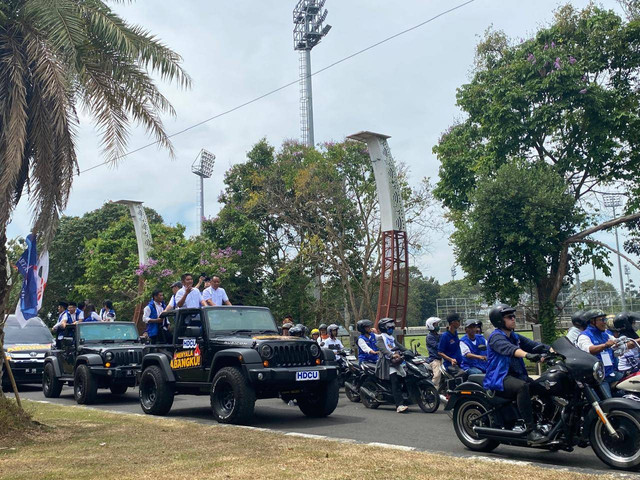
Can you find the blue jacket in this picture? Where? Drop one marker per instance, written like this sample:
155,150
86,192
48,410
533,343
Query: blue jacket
450,346
500,359
154,328
368,357
476,349
433,339
598,338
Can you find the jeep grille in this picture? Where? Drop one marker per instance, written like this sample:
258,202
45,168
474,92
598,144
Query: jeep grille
127,357
291,356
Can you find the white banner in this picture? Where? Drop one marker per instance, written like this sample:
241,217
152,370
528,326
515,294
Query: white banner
141,224
384,168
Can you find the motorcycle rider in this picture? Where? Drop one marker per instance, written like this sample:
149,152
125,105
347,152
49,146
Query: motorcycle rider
390,363
449,347
367,350
286,327
580,323
506,372
323,334
315,334
333,342
596,341
629,361
433,338
473,348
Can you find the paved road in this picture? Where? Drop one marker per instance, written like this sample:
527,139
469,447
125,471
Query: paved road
428,432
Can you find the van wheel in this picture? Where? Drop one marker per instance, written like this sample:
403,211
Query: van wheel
232,398
156,395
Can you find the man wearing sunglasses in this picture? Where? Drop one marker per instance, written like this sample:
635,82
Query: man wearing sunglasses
506,373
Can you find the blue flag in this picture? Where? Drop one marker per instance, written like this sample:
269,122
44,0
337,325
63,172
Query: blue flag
28,267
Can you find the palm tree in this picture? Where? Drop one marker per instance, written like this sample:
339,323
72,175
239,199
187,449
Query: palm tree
57,56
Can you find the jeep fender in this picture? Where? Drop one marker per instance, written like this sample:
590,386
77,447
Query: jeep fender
162,361
91,359
242,356
607,405
56,365
329,356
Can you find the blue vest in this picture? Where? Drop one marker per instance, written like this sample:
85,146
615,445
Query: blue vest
368,357
498,365
90,318
450,346
468,363
598,338
154,328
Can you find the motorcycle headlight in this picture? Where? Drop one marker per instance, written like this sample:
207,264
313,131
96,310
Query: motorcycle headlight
108,356
314,350
598,372
266,352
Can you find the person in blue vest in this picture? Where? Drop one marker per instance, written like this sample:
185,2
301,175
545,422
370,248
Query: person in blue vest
64,319
367,350
506,373
449,347
151,316
473,348
107,313
596,341
75,312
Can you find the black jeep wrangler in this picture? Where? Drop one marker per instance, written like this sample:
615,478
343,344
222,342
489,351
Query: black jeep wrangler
93,355
235,355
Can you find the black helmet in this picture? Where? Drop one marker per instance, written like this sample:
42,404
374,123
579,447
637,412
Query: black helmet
625,323
593,314
579,319
363,324
296,331
385,323
304,329
499,311
323,326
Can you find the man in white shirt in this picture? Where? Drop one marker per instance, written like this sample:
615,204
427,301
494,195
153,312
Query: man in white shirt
188,296
215,294
175,287
333,342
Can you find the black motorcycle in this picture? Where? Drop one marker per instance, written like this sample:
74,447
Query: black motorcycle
416,386
352,374
569,409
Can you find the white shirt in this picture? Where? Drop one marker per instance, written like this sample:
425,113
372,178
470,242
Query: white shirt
217,296
573,334
464,348
329,342
585,342
146,313
364,347
105,316
173,302
193,300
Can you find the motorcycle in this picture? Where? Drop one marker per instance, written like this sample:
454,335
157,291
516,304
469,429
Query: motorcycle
629,385
416,386
567,406
352,375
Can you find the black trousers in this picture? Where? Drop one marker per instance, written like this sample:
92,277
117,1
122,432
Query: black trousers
520,390
396,388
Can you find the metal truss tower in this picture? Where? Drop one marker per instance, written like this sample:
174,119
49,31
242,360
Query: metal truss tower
308,30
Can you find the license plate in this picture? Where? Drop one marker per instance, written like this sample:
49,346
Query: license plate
307,375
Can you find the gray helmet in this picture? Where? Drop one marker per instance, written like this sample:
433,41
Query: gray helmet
363,324
470,323
323,326
593,314
385,323
296,331
287,325
499,311
333,326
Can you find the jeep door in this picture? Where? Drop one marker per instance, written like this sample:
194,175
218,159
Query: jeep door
189,347
68,347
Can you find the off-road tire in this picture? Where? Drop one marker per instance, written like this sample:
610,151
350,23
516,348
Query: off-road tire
51,386
156,394
232,398
322,402
85,387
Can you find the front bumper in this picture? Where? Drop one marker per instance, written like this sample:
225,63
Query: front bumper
25,372
118,373
286,377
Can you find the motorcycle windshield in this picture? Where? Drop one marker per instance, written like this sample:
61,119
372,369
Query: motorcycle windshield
579,363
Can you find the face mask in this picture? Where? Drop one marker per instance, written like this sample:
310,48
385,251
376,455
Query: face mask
390,330
436,329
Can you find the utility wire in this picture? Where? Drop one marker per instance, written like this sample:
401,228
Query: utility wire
253,100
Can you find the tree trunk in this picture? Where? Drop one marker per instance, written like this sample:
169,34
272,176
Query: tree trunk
547,311
4,293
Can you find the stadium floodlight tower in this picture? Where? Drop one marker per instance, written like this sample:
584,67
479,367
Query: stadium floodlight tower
202,166
613,200
308,17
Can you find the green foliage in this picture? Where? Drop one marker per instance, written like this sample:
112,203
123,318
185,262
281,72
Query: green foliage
462,288
423,293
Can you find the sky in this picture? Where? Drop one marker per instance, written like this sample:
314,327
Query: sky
238,50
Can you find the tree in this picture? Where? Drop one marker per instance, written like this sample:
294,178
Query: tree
462,288
598,293
565,104
423,293
55,56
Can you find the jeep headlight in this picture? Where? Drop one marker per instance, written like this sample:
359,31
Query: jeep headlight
314,350
108,356
598,372
266,352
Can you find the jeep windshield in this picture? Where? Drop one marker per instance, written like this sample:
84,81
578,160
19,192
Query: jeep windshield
107,332
229,320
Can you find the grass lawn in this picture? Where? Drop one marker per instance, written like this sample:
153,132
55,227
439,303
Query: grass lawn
80,443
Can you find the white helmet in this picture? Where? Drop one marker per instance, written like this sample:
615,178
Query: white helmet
432,323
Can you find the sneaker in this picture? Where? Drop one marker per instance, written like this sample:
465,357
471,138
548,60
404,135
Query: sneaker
402,409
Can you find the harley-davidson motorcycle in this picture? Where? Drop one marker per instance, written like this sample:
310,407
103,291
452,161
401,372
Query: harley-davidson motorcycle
569,410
